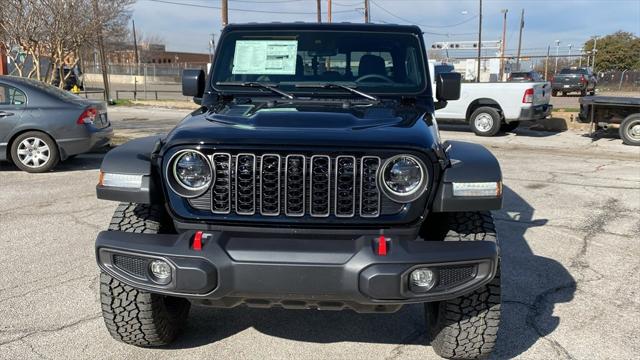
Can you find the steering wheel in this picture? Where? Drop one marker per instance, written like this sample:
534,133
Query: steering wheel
374,76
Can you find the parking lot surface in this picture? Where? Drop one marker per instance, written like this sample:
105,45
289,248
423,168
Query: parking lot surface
568,234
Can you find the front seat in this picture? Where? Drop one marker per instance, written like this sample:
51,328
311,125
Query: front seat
371,64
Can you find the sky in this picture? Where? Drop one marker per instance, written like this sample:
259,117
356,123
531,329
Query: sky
188,28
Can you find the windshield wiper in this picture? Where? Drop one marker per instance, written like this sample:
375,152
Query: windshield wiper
338,86
271,88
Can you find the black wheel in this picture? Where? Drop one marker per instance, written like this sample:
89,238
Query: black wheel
34,152
135,316
564,93
583,92
506,127
630,130
554,92
485,121
467,327
592,92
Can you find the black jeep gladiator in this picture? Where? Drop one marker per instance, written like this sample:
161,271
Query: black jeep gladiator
312,176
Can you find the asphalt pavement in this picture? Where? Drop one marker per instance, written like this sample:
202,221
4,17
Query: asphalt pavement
568,235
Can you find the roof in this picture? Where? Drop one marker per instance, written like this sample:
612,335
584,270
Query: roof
325,26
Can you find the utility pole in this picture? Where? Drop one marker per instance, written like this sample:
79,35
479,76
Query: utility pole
546,64
557,55
103,56
225,12
366,11
595,51
135,48
570,62
479,41
329,15
319,10
520,40
503,43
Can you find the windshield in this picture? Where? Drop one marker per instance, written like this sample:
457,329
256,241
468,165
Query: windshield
371,62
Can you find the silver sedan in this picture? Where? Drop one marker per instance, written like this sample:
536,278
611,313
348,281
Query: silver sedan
41,125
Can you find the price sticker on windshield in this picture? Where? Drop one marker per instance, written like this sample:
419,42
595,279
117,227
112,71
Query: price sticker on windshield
265,57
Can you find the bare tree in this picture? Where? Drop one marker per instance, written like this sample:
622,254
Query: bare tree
59,30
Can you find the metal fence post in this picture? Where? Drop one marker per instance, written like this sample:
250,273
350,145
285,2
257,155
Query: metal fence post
145,81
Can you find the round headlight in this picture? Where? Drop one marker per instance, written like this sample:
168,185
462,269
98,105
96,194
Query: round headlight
192,173
403,178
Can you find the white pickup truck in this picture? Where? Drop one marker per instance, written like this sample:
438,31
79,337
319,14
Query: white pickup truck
496,106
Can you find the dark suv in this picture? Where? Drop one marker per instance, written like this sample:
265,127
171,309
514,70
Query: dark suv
313,176
574,79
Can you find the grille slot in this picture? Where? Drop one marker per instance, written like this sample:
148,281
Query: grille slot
319,185
295,185
245,184
369,193
345,186
270,185
133,265
295,175
221,199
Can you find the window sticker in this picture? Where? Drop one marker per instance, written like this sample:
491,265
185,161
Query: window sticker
265,57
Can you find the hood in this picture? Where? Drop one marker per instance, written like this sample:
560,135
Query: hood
243,125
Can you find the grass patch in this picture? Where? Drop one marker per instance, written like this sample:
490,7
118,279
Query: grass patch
122,102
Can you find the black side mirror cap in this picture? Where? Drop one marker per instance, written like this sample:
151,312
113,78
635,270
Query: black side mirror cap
448,86
193,82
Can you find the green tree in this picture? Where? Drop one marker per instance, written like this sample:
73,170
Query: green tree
617,51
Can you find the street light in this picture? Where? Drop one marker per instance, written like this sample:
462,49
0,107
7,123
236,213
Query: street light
580,61
570,45
557,54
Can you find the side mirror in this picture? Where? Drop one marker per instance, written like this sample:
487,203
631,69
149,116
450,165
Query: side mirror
448,86
193,82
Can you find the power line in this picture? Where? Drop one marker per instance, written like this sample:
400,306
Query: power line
244,10
426,26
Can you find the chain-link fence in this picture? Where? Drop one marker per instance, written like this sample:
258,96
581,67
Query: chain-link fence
155,72
619,81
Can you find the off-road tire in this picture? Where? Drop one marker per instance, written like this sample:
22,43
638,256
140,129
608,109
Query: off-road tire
54,155
508,127
466,327
135,316
583,92
626,127
554,93
490,113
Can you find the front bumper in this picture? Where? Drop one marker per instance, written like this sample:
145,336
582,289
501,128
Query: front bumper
296,271
535,112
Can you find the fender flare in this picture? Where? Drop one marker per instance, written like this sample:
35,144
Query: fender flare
469,163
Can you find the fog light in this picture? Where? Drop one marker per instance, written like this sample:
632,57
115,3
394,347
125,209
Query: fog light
161,271
421,280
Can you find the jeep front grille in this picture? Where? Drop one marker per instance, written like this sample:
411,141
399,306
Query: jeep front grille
295,185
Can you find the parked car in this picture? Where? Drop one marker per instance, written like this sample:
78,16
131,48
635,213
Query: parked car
492,107
41,125
294,187
611,112
574,79
73,77
525,76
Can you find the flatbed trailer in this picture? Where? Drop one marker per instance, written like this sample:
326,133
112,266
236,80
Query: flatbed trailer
613,112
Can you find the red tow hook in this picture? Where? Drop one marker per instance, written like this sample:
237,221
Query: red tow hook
382,246
197,241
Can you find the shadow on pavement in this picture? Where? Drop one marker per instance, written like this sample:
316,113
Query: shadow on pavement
532,285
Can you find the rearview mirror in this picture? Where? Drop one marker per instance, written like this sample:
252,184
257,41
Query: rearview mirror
193,82
448,86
